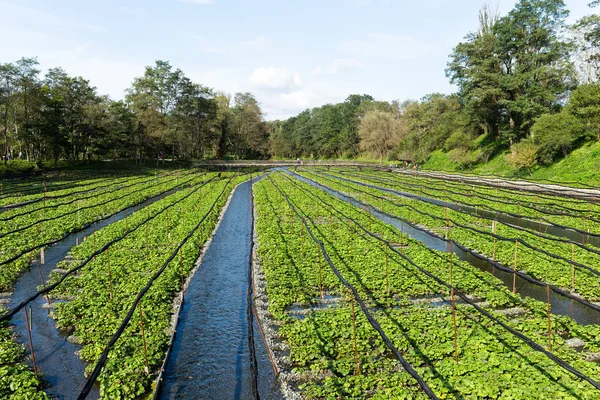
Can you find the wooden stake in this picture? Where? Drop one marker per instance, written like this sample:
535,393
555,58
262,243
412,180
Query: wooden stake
143,336
147,243
572,267
515,268
42,278
35,371
495,239
109,273
320,278
549,319
357,370
181,269
387,279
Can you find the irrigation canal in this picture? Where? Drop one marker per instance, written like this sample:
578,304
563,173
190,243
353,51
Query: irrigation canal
560,304
56,358
211,355
502,217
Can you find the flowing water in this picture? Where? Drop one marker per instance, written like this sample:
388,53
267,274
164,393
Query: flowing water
560,305
211,353
57,362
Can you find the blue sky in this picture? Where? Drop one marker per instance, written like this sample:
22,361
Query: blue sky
292,54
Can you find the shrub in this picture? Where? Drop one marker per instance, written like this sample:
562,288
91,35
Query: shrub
463,157
523,155
555,134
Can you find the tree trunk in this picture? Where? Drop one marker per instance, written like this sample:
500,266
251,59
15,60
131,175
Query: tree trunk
381,159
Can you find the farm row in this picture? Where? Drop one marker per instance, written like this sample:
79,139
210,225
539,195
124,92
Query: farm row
427,323
357,304
151,250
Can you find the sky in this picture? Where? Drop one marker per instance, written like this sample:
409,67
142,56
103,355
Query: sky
291,54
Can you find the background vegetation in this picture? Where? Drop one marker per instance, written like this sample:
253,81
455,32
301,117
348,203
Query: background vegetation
528,95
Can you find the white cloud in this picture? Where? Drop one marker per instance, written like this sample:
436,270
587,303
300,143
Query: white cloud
273,78
388,46
337,66
298,100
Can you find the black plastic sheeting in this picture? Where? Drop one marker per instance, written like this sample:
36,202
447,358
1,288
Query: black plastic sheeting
211,355
563,303
360,301
57,362
560,362
555,229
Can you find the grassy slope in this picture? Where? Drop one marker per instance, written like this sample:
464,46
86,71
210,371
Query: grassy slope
582,165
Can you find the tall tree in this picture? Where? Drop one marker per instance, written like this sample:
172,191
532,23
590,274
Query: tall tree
538,72
476,69
379,133
247,127
587,30
8,84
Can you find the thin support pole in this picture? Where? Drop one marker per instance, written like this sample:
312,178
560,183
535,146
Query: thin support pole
514,290
27,322
572,267
549,319
42,278
387,272
357,370
110,281
495,239
143,336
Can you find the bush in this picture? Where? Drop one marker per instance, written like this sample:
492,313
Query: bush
523,155
458,139
463,157
555,134
17,168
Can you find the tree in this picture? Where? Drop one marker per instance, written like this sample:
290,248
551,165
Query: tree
537,69
585,103
515,68
249,134
379,132
554,134
153,97
476,69
587,31
8,82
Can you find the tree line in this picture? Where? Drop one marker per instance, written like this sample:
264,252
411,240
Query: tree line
164,114
527,84
526,81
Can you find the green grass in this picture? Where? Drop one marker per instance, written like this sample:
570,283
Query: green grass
582,165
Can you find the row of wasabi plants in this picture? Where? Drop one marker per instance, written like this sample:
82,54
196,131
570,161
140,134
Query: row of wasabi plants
507,353
570,265
24,237
111,267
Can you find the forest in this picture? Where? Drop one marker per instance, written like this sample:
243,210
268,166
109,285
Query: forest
527,84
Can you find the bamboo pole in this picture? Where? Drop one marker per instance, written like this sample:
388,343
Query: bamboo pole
357,370
572,267
387,273
549,319
453,304
109,273
515,268
28,323
143,336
